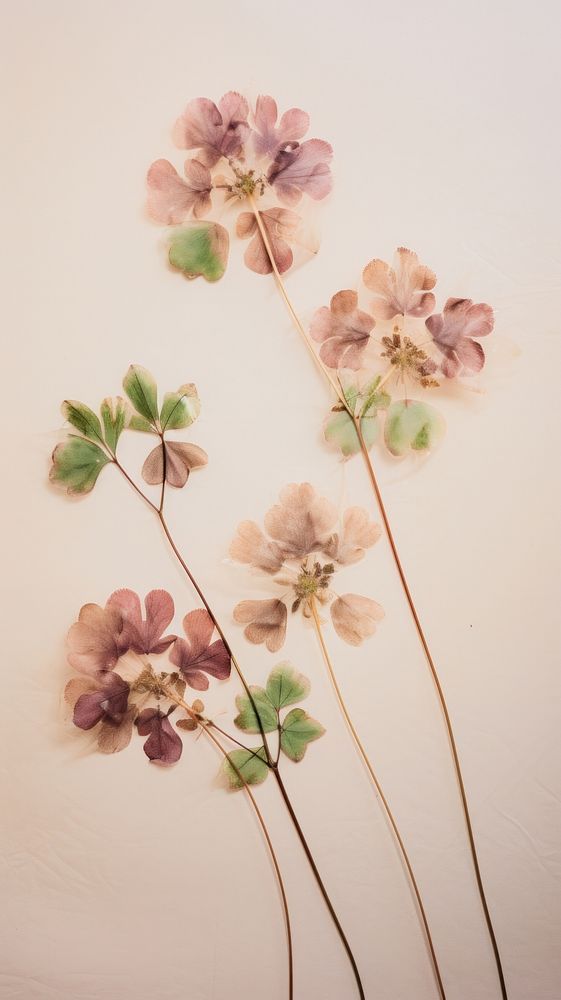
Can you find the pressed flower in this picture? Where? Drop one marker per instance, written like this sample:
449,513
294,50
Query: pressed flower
102,701
97,639
196,655
399,346
242,156
164,745
302,550
145,635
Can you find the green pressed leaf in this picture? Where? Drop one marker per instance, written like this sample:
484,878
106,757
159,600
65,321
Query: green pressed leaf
285,686
200,249
299,729
137,423
374,399
247,718
340,431
412,425
77,464
246,767
82,418
180,408
115,418
141,389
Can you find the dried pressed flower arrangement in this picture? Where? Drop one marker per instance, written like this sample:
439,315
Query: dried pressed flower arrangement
383,359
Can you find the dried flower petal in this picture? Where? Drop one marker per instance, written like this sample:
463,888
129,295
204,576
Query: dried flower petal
268,138
265,621
163,745
97,639
107,700
113,738
359,533
172,199
301,521
196,656
402,291
303,170
355,617
252,547
281,226
343,331
214,131
144,635
453,331
181,458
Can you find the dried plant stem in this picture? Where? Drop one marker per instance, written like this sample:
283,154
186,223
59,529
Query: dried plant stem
389,814
210,736
376,489
443,705
271,763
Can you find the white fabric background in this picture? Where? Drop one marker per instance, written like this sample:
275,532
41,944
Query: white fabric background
121,881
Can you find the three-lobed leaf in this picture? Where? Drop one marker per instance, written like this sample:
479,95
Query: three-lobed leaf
245,767
76,464
299,729
247,712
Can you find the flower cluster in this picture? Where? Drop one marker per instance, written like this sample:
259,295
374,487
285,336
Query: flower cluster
239,156
414,346
302,550
115,692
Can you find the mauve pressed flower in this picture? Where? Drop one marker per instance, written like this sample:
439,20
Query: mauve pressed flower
108,699
267,136
144,635
402,290
453,331
215,132
343,331
172,199
97,639
302,170
196,656
300,530
163,745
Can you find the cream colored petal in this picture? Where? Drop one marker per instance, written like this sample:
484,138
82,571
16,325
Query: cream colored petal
355,617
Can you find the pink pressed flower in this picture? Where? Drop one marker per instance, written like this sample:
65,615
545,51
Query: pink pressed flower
268,137
343,331
102,702
238,156
196,655
403,290
163,745
453,331
144,635
172,199
97,639
302,549
215,132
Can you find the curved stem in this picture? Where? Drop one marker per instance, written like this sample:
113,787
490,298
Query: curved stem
319,881
443,705
263,825
385,803
270,762
412,608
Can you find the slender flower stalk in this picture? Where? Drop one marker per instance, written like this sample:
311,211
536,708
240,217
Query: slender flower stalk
356,420
102,636
389,814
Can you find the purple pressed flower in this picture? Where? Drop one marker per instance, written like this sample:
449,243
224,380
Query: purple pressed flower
196,656
97,639
144,635
163,745
343,331
102,701
252,157
453,331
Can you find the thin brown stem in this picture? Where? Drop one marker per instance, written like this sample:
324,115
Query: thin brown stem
327,375
389,814
443,704
205,730
319,881
270,762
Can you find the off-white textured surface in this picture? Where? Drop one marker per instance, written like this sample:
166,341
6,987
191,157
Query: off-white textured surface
119,881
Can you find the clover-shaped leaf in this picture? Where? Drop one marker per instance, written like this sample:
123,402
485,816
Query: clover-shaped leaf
180,408
180,459
412,425
248,710
140,387
285,686
200,248
115,415
77,464
299,729
246,767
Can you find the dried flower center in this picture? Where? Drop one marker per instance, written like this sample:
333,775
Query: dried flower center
310,581
410,359
246,183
